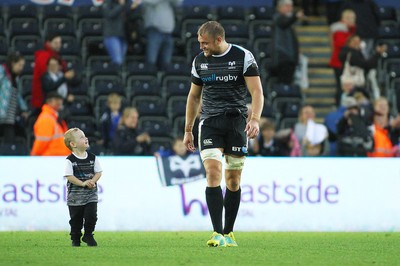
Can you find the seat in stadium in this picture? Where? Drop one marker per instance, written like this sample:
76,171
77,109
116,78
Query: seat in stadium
143,86
178,66
14,149
80,106
176,106
86,123
176,85
26,44
387,13
101,65
140,67
70,46
155,126
29,65
61,26
150,106
22,11
262,48
88,11
192,48
93,46
389,31
231,12
287,107
23,26
262,13
283,90
197,12
268,111
235,28
26,82
90,27
190,27
3,46
106,84
260,30
57,11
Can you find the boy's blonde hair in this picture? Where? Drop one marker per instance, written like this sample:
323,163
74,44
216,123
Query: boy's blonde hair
69,136
113,97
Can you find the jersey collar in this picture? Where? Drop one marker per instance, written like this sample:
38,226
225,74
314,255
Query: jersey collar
224,53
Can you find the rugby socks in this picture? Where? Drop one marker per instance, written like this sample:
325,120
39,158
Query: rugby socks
231,204
215,202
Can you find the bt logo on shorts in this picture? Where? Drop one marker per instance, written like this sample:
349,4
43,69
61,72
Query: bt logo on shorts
243,149
207,142
214,77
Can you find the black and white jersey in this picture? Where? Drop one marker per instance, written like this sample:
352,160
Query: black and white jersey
83,169
222,79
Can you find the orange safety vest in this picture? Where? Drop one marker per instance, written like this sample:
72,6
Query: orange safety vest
382,145
49,134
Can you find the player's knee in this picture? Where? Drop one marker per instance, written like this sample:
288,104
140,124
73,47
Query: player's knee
234,163
211,154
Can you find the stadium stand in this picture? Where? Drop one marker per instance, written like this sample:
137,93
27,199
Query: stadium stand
160,95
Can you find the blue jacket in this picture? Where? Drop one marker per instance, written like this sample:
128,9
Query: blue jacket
6,90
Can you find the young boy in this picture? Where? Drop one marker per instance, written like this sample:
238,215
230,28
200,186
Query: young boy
83,170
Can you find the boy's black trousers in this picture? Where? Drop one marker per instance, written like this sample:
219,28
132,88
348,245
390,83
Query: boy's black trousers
82,216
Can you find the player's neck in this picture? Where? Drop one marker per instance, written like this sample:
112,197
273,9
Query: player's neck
223,48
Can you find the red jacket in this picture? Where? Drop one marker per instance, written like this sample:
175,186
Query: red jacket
40,68
339,35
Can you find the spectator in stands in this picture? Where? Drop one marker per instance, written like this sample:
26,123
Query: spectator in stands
354,137
382,129
128,139
159,22
340,31
114,31
357,58
178,148
285,47
11,101
54,80
315,141
267,144
368,22
51,48
306,113
49,130
110,119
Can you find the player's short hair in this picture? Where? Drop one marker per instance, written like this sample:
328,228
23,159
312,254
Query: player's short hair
69,136
213,29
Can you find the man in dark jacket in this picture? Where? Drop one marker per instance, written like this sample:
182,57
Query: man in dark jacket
114,31
367,22
285,54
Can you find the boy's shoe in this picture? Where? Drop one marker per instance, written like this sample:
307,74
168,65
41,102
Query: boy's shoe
217,240
89,240
230,240
76,243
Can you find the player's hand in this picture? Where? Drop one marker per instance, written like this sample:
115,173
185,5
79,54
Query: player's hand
252,129
188,141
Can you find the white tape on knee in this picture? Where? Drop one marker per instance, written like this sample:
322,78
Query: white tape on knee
214,154
234,163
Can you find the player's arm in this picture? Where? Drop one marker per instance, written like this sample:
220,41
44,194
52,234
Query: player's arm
257,102
192,108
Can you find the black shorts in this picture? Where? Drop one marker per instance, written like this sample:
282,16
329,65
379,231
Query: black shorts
226,132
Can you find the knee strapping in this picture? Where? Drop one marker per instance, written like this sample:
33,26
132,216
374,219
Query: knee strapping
214,154
234,163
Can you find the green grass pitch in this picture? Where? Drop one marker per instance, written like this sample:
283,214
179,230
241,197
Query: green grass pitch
189,248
